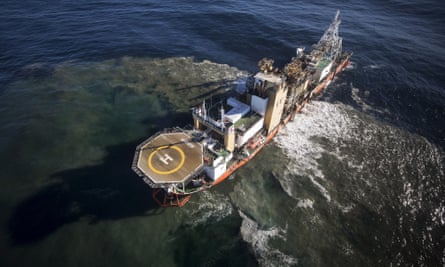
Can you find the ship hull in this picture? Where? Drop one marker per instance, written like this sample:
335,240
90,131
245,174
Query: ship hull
226,136
180,198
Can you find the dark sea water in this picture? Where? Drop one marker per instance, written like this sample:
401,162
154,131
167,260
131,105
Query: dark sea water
358,179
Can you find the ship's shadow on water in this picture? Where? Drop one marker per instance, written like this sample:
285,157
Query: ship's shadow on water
108,191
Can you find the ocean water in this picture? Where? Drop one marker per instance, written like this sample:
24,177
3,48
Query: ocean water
357,179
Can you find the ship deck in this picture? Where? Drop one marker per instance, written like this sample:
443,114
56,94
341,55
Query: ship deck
169,158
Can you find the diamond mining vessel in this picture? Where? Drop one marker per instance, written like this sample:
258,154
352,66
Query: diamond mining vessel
226,135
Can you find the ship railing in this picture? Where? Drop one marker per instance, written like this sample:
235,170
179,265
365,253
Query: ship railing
217,126
196,183
166,130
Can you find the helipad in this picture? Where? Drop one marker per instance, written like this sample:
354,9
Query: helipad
168,158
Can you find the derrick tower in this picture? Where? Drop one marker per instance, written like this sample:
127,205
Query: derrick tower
330,43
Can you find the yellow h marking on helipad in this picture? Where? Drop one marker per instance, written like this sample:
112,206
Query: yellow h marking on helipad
181,153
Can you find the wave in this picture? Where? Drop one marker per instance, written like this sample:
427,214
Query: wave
210,206
360,165
259,239
321,120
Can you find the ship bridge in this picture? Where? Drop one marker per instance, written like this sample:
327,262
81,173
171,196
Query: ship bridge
168,158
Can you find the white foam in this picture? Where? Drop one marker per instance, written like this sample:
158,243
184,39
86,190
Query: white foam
356,97
417,194
388,151
361,101
321,120
388,169
351,66
305,203
439,215
259,240
210,206
374,66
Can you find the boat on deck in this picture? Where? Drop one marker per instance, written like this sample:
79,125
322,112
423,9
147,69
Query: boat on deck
229,132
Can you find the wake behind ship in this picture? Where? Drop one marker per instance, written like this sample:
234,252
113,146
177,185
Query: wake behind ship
228,133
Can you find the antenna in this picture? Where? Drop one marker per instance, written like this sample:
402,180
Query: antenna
222,117
204,110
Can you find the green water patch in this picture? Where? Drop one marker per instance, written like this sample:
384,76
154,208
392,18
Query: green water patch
67,141
205,245
257,191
